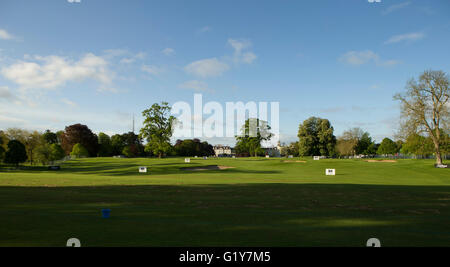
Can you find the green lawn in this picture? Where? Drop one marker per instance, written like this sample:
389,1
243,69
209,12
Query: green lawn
260,202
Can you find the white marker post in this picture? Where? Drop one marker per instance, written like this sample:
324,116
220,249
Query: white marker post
330,172
142,169
187,160
73,242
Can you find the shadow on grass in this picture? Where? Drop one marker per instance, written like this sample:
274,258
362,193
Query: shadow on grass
226,215
128,169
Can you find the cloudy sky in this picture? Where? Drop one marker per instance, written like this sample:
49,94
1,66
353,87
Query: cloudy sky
97,62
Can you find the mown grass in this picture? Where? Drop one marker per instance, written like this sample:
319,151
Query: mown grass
260,202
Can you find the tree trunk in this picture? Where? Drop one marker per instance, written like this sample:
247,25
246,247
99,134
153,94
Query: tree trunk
438,155
159,155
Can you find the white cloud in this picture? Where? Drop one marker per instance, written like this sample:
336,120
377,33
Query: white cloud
9,119
133,58
239,45
4,35
168,51
395,7
69,102
357,58
74,1
115,52
248,57
55,71
152,69
5,93
409,37
195,85
209,67
204,29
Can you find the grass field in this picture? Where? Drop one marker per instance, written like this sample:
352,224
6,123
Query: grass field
260,202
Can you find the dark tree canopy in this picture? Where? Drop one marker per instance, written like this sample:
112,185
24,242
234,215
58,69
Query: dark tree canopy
79,134
2,150
50,137
16,153
104,145
193,147
316,137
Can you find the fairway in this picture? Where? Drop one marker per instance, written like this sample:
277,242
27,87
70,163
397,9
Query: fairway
259,202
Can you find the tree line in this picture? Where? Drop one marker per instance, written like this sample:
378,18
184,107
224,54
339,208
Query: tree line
424,131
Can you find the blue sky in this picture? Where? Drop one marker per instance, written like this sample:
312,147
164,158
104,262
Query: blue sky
97,62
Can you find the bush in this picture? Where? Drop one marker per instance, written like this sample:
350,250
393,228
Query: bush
16,153
79,151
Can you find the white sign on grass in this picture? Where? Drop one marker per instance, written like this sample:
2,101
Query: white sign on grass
267,156
142,169
290,156
316,157
330,172
187,160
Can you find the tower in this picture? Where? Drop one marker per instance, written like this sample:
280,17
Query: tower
133,122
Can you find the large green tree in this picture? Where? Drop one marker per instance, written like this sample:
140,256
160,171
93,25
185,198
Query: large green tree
355,141
16,153
105,148
253,132
50,137
2,150
79,151
79,134
418,145
158,128
193,147
387,147
316,138
425,107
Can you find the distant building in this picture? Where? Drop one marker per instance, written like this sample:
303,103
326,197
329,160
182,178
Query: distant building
273,151
223,151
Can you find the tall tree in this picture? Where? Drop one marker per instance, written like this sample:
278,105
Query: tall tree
56,152
2,150
316,137
79,134
16,153
105,147
31,140
354,142
253,132
118,144
50,137
425,107
418,145
387,147
157,128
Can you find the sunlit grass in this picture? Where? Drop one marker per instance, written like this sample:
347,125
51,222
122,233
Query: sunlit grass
260,202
